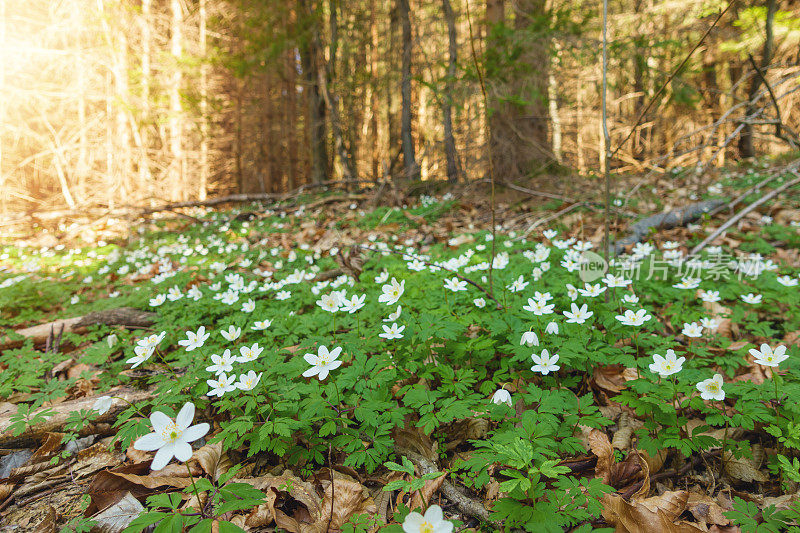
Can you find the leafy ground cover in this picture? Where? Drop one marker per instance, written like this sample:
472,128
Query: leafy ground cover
405,369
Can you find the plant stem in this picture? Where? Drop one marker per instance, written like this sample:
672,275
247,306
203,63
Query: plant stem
724,442
777,397
196,493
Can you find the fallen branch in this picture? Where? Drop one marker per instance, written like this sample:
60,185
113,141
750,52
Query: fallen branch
465,504
123,316
756,187
60,412
738,216
670,219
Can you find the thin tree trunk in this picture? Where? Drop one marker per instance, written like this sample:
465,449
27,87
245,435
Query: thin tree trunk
746,147
325,72
123,134
178,190
374,105
447,106
109,177
291,114
202,191
579,142
3,193
552,101
409,157
144,162
392,102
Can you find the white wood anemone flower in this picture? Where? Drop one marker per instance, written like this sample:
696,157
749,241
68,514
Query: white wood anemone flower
171,438
431,522
322,362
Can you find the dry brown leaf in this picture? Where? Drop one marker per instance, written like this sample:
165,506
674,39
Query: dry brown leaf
300,490
601,447
109,486
412,438
782,502
793,337
51,443
613,378
213,459
263,514
425,494
652,515
94,458
466,429
706,510
349,498
239,520
49,523
654,462
742,469
117,517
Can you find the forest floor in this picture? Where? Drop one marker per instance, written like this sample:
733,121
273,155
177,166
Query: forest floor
348,359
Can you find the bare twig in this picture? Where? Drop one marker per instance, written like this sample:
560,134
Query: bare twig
465,504
671,77
738,216
779,122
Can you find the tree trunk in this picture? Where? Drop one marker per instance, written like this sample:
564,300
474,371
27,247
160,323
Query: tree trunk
326,71
315,102
392,102
552,100
145,176
518,110
373,105
746,147
447,106
409,156
291,118
177,189
202,190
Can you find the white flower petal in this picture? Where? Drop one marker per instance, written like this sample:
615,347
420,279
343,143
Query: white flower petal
149,442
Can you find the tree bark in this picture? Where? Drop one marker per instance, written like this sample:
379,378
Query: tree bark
746,147
202,190
145,177
517,76
175,106
412,171
447,105
315,103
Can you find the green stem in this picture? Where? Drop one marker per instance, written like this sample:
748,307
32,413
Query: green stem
194,487
724,442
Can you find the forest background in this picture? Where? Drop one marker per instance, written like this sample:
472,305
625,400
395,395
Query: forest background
116,103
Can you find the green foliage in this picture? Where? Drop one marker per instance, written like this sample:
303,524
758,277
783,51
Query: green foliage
452,357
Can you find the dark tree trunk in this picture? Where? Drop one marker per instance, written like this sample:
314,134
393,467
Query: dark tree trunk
447,105
309,55
516,78
409,157
746,147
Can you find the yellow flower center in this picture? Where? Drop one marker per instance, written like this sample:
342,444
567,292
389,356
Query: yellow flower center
171,433
713,387
426,527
